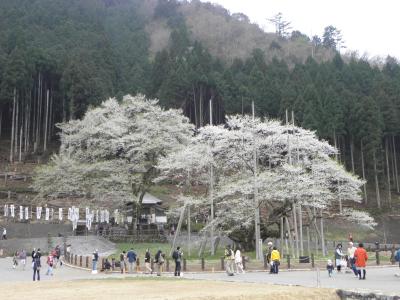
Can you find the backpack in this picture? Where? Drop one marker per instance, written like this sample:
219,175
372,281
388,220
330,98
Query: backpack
175,255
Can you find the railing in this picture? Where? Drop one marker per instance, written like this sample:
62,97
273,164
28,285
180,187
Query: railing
214,265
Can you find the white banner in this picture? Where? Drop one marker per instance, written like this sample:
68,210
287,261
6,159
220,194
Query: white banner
38,212
47,214
26,213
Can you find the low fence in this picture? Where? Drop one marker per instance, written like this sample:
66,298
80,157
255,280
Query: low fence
203,265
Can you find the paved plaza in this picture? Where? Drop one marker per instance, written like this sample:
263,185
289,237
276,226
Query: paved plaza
379,279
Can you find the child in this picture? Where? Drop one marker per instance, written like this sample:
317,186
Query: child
330,267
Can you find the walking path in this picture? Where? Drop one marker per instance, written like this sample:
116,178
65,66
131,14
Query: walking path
381,280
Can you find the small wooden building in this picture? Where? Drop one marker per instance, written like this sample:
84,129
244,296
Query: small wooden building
152,214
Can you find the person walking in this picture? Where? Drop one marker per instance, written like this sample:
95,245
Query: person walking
147,261
95,258
4,236
177,256
22,258
350,254
15,259
122,261
268,256
338,257
229,259
361,257
276,260
58,255
397,259
36,264
159,261
330,267
50,263
238,261
131,255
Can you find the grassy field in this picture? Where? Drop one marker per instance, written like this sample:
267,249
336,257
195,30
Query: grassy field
140,249
152,289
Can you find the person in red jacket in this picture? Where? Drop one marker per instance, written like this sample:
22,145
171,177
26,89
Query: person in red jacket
361,258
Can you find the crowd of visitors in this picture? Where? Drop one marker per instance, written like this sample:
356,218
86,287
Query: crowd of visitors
354,261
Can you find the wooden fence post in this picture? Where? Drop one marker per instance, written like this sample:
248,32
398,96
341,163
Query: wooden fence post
202,264
152,264
184,265
137,264
244,262
312,260
80,260
288,261
222,264
377,253
87,262
76,260
167,265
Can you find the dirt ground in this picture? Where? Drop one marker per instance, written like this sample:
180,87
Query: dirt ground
159,289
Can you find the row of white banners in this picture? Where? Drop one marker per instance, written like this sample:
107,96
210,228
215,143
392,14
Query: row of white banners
98,216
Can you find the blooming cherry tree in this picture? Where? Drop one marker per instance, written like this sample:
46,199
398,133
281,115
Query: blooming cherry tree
112,151
293,166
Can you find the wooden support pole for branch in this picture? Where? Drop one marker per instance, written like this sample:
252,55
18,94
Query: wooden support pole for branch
282,237
294,211
291,251
322,235
178,228
301,230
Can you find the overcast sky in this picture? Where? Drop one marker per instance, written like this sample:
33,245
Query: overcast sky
367,26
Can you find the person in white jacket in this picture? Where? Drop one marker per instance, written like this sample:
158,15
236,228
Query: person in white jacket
238,262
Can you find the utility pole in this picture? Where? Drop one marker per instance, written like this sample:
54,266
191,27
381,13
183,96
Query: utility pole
259,255
211,191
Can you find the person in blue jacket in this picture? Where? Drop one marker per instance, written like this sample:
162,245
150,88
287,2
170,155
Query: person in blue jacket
131,255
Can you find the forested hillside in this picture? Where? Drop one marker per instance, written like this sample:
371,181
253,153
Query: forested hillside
59,57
